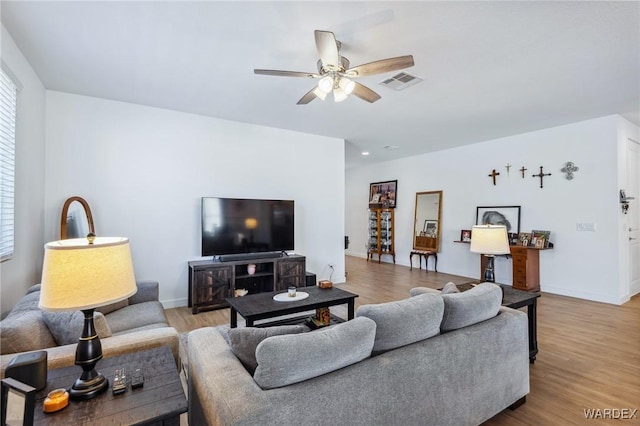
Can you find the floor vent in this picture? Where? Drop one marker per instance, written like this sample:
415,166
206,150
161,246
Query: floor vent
401,81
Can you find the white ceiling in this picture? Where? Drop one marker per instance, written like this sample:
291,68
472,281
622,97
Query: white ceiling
490,69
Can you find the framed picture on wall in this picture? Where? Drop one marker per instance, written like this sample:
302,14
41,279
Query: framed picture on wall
465,235
383,194
508,216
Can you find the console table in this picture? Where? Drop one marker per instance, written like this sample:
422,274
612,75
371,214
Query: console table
526,267
159,402
426,254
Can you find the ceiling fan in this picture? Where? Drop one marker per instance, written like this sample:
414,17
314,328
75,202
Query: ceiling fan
335,75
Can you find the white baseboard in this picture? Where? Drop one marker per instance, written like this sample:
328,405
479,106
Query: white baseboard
175,303
595,297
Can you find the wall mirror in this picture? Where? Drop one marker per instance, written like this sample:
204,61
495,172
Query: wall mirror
76,220
426,228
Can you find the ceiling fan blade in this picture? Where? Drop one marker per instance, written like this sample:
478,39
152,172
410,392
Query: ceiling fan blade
364,93
327,49
287,73
308,97
381,66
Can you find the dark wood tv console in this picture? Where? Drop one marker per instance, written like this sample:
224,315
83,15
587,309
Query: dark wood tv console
212,281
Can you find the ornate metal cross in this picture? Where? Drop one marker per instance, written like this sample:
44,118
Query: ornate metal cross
493,175
522,170
569,168
507,166
541,175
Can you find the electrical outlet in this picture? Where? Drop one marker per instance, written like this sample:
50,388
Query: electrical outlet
588,227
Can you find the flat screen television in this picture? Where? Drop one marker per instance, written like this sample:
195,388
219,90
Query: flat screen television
235,226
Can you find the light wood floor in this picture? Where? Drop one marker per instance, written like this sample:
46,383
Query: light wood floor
589,352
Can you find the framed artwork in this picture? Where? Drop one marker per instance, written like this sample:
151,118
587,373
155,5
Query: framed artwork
540,239
18,402
430,228
383,194
465,235
524,238
508,216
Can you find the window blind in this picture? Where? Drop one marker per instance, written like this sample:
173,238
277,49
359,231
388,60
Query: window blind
8,97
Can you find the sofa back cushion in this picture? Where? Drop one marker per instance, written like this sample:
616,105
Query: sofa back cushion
245,340
283,360
405,321
66,327
472,306
24,329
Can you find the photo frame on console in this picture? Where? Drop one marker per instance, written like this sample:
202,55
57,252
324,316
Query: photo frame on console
383,194
499,215
18,402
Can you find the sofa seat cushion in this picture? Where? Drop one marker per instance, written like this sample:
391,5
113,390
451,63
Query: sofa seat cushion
470,307
403,322
24,330
244,341
293,358
136,316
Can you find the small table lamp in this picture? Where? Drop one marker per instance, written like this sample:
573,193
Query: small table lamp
489,240
83,274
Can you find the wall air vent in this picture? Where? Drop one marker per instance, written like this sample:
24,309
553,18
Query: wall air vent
401,81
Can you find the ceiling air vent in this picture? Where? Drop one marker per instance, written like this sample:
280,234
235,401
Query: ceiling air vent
401,81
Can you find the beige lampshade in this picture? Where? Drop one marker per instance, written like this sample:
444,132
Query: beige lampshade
489,239
77,275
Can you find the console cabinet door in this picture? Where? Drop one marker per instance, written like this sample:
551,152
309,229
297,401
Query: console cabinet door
290,273
210,287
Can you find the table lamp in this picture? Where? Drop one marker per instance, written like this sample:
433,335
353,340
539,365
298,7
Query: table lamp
83,274
489,240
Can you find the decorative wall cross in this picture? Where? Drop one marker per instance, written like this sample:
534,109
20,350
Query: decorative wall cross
569,168
493,175
522,170
541,175
507,166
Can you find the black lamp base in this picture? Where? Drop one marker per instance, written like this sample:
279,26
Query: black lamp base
86,389
88,352
489,275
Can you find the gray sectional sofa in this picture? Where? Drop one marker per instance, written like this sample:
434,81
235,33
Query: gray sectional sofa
432,359
130,325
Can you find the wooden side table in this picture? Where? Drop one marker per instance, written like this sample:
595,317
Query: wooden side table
426,254
159,402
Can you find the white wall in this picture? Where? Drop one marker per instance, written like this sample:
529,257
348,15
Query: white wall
24,269
582,264
143,171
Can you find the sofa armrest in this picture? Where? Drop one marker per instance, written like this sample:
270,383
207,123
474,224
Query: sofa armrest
213,371
148,291
65,356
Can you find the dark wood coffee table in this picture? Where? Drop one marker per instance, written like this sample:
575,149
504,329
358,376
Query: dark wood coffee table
159,402
259,306
516,299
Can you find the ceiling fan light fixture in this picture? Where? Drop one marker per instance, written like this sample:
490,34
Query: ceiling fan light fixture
320,93
339,95
326,84
347,85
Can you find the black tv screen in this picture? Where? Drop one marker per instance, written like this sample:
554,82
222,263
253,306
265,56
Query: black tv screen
237,226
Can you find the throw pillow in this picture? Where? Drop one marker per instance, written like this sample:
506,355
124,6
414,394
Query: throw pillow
66,327
405,321
243,341
470,307
284,360
449,288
